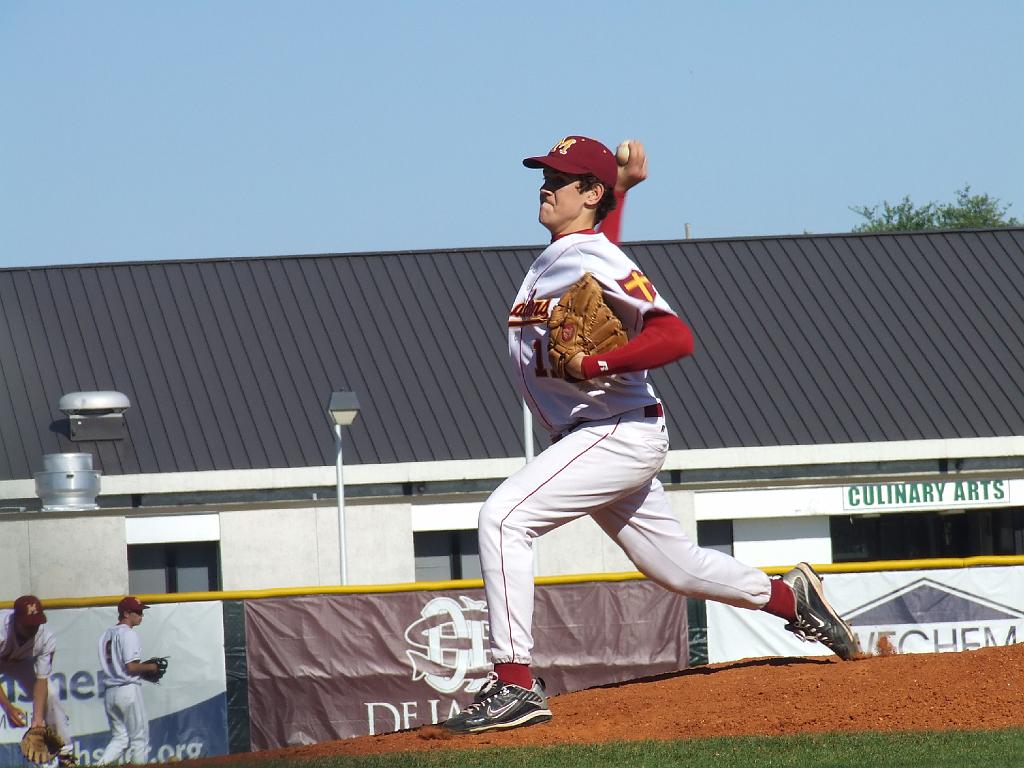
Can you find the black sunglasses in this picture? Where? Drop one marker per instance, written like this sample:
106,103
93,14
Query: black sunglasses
554,180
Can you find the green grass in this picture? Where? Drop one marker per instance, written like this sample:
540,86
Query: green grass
863,750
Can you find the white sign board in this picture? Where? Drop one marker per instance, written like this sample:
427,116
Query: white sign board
934,611
187,710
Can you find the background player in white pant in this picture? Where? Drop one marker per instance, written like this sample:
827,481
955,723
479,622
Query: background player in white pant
26,656
609,442
120,668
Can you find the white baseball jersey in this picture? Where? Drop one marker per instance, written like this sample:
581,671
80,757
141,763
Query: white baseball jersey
31,661
118,646
38,649
559,404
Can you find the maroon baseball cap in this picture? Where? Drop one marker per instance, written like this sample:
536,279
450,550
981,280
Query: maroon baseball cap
132,604
580,155
29,611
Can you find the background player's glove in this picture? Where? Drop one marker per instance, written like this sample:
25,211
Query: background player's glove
582,322
40,744
161,669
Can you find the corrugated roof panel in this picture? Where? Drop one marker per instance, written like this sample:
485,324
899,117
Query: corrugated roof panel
483,288
340,338
310,361
229,363
182,304
769,338
813,337
436,295
24,379
379,317
872,327
13,397
844,345
993,331
689,398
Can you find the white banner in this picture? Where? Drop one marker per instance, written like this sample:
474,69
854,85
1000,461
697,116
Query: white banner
187,710
916,611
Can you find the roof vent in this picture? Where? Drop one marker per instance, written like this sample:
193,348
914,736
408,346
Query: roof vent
95,415
68,483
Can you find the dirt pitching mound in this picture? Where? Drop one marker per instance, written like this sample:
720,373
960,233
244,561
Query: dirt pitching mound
972,690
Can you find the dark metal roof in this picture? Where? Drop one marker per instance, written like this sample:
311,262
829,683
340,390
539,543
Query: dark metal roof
229,363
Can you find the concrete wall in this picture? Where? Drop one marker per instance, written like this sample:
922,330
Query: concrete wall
263,549
380,545
782,540
15,564
65,556
582,547
266,548
578,547
53,556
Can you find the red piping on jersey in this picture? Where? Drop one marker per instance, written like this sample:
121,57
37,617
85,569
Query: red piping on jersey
577,232
664,339
501,530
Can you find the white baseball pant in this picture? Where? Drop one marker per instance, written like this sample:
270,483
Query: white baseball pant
608,470
129,728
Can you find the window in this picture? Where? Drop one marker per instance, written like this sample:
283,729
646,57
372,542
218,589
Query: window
908,535
445,555
715,534
192,566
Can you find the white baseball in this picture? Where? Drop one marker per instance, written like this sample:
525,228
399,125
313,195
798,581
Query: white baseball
622,153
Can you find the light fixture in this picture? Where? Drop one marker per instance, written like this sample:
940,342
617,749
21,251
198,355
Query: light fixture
342,407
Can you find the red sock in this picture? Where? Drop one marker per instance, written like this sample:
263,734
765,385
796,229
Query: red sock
516,674
782,603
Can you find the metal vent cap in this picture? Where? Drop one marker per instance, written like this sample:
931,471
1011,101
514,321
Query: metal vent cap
93,403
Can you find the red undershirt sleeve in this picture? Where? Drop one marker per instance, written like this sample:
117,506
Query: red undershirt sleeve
611,226
664,339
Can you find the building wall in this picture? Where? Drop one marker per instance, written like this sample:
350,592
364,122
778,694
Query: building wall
380,544
582,547
63,556
288,547
578,547
15,563
267,548
782,540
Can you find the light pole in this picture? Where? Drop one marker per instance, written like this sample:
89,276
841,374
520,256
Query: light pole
343,407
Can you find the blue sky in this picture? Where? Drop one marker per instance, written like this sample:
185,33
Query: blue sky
182,130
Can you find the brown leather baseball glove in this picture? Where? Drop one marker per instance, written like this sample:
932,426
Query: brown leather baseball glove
40,744
582,322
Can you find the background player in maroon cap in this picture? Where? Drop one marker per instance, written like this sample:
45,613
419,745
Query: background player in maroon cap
26,656
609,441
121,674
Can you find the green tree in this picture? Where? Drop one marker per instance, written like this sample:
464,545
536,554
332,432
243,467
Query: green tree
968,212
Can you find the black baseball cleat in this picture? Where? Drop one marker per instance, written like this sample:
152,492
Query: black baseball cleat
501,705
815,618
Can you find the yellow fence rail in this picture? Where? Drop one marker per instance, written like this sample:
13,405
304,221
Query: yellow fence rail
433,586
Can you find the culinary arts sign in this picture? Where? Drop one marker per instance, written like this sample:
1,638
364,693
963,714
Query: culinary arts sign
951,494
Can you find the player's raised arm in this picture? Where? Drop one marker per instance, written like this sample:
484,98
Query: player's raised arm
632,160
